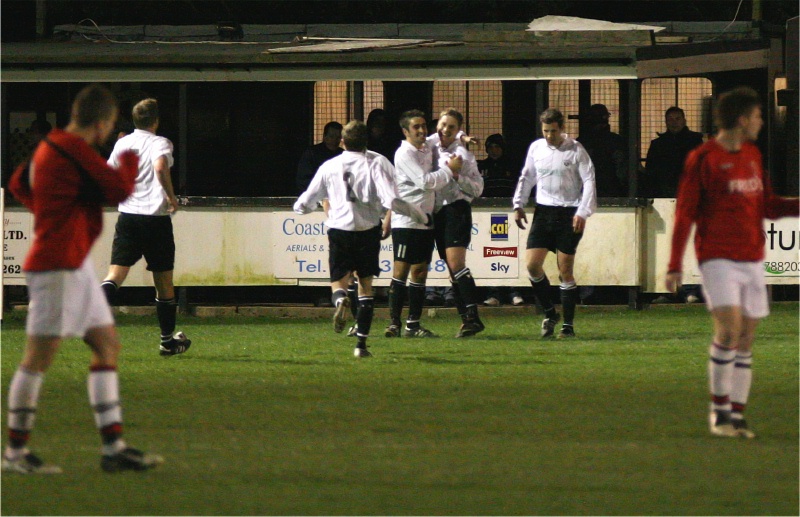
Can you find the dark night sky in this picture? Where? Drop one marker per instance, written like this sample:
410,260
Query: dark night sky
18,16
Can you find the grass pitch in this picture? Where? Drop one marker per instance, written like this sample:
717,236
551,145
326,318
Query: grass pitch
267,416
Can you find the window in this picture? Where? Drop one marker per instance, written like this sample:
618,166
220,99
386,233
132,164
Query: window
660,94
334,100
606,91
564,95
481,103
330,103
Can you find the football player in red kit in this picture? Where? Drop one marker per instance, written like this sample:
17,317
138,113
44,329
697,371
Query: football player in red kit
725,193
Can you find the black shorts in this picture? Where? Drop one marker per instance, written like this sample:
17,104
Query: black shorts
552,229
453,226
148,236
412,246
354,251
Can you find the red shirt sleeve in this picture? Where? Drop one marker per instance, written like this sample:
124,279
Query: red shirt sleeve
115,184
688,203
19,188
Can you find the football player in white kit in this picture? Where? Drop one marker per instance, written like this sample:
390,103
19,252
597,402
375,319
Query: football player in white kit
359,187
453,217
565,198
417,177
144,226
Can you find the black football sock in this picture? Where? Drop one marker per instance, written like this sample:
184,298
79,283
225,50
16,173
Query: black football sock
569,299
416,300
366,309
166,310
397,298
352,293
541,288
461,307
338,295
110,289
468,292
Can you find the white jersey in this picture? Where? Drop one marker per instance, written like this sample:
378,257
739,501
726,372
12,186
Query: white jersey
359,188
565,176
149,197
417,181
470,182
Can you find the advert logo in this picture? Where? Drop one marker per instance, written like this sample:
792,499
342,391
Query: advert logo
499,227
499,252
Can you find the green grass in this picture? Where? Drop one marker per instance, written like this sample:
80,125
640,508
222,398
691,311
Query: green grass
267,416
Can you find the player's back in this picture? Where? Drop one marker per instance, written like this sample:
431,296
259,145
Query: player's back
149,197
352,193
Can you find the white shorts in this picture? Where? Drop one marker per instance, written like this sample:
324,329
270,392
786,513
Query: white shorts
66,302
727,283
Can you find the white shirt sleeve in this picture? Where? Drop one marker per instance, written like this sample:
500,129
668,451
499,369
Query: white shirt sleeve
527,180
316,192
422,179
588,203
382,177
470,180
162,147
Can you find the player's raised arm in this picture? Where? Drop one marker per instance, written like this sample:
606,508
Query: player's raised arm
313,196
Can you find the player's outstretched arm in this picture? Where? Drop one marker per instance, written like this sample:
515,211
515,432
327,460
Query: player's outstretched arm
313,196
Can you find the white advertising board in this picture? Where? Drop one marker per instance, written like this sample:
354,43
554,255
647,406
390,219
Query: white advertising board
300,249
232,246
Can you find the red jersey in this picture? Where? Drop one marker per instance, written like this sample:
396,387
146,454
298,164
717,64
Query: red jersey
66,222
727,196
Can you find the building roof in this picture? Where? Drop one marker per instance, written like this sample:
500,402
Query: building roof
87,52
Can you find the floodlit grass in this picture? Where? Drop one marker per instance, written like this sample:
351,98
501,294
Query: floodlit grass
266,416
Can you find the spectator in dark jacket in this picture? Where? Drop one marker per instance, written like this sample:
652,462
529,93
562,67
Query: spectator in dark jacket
663,168
607,151
667,153
318,154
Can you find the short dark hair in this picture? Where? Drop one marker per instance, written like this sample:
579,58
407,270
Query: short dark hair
355,136
552,115
40,126
145,113
733,104
495,139
375,116
405,118
674,109
452,112
331,125
93,104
